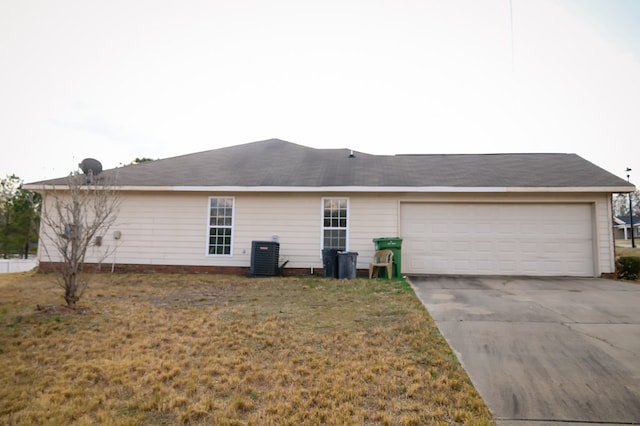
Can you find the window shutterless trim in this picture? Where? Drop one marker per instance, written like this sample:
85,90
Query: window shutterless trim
231,227
323,228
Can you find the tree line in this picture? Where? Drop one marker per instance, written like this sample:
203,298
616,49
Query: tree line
19,218
621,204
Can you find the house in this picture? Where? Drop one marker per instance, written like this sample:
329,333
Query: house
495,214
622,227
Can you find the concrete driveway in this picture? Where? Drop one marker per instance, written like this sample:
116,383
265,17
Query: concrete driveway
543,350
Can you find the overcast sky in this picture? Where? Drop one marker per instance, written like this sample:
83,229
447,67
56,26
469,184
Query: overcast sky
120,79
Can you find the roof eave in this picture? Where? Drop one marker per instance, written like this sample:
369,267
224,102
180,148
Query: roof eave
368,189
609,189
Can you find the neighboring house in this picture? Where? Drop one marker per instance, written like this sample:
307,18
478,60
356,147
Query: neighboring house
495,214
622,227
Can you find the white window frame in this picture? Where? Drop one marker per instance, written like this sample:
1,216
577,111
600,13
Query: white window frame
323,228
209,226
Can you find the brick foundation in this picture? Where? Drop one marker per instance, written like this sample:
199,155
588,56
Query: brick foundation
181,269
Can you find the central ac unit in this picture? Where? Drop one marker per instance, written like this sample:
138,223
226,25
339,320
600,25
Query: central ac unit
264,258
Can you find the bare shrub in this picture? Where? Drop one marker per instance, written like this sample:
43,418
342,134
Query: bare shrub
75,217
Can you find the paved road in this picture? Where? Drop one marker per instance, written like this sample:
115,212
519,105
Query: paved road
544,351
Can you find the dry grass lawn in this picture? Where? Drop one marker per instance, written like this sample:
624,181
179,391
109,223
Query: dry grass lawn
200,349
628,251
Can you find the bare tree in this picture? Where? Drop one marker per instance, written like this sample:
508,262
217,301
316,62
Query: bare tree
621,203
75,218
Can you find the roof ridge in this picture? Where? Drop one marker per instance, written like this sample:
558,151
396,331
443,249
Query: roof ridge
487,153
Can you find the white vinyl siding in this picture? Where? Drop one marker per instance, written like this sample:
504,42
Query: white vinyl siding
169,228
291,219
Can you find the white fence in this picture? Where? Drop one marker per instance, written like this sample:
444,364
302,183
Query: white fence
17,265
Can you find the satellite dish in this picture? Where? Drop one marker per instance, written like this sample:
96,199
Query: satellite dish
91,166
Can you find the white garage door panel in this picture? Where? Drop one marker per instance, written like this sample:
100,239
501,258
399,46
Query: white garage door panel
500,239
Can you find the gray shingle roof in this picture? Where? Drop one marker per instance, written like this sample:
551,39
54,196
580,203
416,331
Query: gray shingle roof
277,163
627,220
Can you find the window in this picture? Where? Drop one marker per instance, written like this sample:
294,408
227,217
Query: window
334,223
220,225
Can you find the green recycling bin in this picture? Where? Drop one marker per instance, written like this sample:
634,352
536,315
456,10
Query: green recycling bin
395,245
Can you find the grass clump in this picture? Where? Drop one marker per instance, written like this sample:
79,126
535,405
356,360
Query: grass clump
192,349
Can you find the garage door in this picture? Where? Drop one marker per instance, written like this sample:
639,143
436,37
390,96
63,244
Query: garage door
497,239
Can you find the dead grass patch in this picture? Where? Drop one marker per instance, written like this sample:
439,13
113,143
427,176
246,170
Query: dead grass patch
628,251
195,349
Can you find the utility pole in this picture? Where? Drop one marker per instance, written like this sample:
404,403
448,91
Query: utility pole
633,240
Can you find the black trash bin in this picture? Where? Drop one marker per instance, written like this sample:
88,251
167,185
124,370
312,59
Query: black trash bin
347,262
330,263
